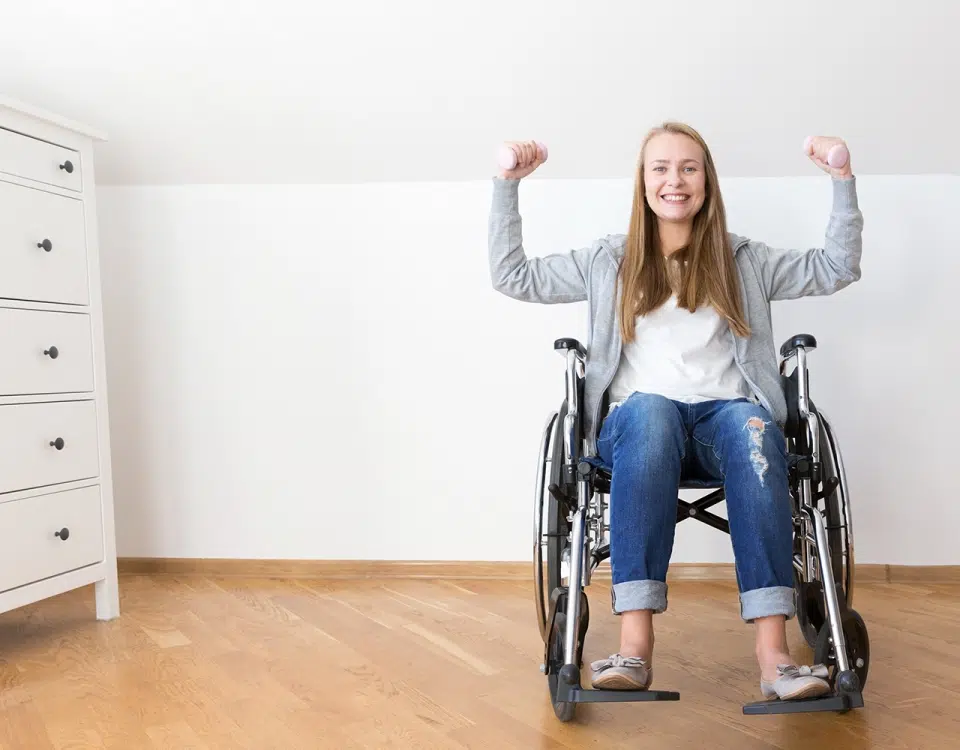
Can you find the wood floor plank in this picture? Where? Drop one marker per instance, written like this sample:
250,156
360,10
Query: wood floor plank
263,663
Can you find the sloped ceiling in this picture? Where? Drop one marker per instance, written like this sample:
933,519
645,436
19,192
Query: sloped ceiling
275,91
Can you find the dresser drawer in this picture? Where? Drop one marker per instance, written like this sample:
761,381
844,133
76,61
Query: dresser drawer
43,247
45,352
33,159
45,444
48,535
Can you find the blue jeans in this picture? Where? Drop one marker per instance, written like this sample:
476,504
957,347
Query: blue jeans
649,443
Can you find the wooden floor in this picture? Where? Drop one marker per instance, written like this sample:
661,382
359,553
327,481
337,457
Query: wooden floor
241,663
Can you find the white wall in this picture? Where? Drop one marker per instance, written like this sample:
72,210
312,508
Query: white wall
325,372
288,91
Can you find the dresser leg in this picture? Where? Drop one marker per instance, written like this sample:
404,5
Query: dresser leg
108,597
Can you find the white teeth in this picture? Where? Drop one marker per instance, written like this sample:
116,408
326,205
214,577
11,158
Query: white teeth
675,198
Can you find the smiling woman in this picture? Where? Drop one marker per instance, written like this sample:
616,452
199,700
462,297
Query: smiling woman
681,346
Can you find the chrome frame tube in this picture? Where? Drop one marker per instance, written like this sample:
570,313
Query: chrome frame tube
576,576
574,372
830,591
813,439
812,426
573,406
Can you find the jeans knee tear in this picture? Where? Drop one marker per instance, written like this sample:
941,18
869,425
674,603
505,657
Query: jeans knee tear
756,428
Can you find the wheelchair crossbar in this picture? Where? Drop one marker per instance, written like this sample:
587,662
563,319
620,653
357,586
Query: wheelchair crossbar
687,510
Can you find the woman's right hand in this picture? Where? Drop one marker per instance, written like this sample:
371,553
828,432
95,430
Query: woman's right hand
529,157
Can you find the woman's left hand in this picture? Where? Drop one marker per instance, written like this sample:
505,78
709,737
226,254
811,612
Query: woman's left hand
818,149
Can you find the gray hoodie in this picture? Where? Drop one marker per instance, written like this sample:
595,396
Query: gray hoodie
589,275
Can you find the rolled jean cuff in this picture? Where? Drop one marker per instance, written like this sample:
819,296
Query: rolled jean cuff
633,595
776,600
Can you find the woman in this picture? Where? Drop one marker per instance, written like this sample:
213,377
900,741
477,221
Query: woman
681,341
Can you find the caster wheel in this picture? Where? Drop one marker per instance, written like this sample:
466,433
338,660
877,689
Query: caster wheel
858,652
564,710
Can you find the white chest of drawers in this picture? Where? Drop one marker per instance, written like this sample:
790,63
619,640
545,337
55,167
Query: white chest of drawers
56,487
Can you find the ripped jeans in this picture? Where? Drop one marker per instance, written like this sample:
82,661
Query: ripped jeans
650,442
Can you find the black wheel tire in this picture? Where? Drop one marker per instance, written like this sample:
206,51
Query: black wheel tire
811,608
564,710
858,647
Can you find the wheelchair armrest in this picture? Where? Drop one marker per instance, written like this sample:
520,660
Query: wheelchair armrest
566,344
801,340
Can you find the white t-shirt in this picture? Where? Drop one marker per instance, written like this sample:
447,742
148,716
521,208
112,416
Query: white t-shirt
687,357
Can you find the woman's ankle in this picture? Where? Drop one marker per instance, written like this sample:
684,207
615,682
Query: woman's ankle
769,660
635,648
636,634
771,647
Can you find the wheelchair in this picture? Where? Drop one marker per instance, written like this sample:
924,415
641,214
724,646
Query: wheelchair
570,542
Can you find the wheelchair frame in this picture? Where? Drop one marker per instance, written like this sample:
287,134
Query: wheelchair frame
569,521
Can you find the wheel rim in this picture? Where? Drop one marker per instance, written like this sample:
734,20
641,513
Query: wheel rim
539,540
846,514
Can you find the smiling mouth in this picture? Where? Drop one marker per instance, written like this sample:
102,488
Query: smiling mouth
675,197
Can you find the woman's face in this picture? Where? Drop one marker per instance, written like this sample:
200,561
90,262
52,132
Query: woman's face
674,177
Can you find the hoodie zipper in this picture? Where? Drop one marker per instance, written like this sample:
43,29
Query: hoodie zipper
736,357
743,371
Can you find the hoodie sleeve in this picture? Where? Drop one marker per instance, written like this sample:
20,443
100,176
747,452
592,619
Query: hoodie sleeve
818,271
553,279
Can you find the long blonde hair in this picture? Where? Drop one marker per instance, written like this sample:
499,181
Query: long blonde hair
705,272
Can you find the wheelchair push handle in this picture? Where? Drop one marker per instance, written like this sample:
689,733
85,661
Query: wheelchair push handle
800,341
563,345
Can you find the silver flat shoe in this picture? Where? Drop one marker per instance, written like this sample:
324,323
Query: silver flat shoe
621,673
797,682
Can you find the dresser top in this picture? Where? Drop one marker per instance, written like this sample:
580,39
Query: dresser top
41,114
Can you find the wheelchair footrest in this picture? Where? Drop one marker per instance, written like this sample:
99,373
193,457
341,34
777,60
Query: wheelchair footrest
575,694
838,702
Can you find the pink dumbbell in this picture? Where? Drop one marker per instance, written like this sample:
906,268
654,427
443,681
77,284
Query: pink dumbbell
837,155
507,158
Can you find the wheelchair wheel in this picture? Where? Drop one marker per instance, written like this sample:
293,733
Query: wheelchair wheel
550,520
811,607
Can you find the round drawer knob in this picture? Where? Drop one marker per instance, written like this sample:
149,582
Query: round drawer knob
52,352
46,245
64,533
67,167
58,443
